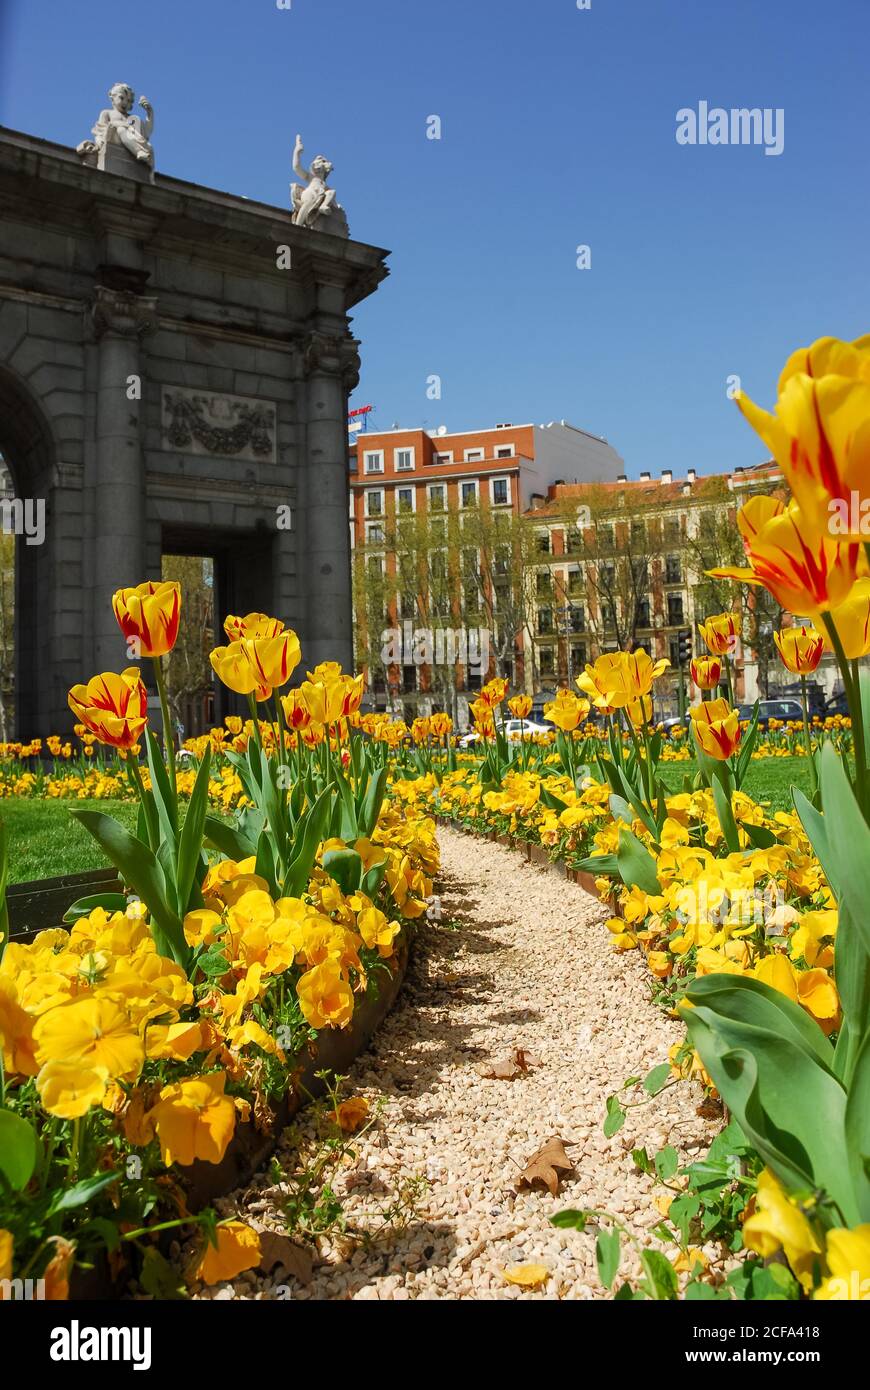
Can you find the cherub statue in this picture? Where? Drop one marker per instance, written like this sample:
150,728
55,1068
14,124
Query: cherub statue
315,200
119,126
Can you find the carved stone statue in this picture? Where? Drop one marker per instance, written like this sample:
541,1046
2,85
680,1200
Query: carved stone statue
315,205
119,135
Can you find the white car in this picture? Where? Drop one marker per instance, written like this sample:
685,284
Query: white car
514,729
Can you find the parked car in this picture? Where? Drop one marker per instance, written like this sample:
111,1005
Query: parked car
782,710
674,720
515,729
837,704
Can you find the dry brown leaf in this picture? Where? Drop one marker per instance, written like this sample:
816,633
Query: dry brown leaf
276,1249
517,1064
545,1167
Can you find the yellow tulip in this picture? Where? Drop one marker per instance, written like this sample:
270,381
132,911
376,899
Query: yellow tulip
820,433
804,566
852,621
800,649
720,634
149,615
233,666
566,711
252,625
520,706
717,728
706,672
112,707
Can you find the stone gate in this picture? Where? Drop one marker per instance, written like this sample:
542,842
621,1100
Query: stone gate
171,381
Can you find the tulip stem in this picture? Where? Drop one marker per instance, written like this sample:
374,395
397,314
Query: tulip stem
814,776
853,698
255,720
168,736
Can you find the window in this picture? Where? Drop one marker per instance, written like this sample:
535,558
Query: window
374,533
577,617
605,537
409,679
504,451
638,534
578,656
673,570
608,615
373,461
573,540
404,499
675,609
468,494
546,664
502,559
403,460
374,502
642,613
500,492
473,455
545,621
446,457
471,599
437,497
672,528
408,604
438,530
575,581
544,583
543,542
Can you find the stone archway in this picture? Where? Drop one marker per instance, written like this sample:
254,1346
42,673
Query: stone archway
29,452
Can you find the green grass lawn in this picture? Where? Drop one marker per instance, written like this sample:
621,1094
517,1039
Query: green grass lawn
768,779
46,841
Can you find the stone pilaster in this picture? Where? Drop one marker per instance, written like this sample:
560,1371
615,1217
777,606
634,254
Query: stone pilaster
331,364
120,320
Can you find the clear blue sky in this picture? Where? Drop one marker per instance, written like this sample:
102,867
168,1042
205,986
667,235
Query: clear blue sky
558,129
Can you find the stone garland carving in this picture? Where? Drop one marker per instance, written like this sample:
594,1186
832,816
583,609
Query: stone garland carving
253,427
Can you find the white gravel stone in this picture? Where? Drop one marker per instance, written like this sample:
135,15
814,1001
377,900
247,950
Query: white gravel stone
530,964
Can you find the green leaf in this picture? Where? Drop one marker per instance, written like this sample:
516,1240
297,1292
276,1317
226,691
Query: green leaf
140,869
641,1160
661,1277
17,1150
857,1126
67,1198
159,1278
161,788
374,800
813,823
348,824
570,1220
726,816
747,743
615,1117
229,839
82,907
848,842
637,868
656,1079
666,1162
346,867
608,1250
190,844
760,837
307,838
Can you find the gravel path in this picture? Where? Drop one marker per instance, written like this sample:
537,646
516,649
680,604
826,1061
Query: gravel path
522,959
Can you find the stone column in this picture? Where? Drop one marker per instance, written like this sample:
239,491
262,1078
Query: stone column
120,320
332,372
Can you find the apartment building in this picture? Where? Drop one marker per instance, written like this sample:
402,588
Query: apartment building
621,565
399,475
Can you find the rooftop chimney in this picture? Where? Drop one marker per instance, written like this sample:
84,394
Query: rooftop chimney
622,478
644,477
691,475
667,475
